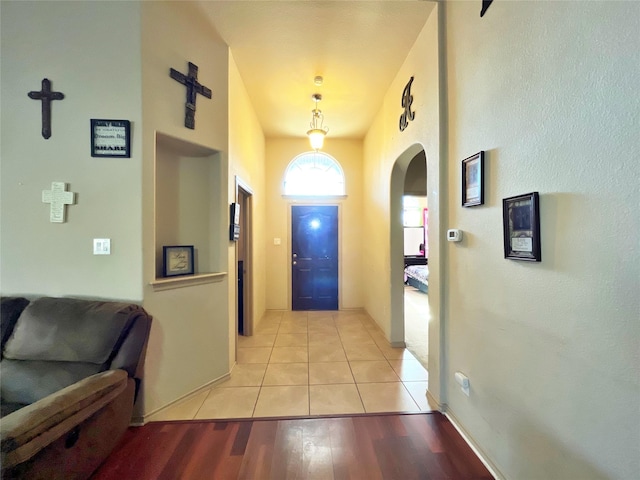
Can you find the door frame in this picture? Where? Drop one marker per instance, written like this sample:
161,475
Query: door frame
311,203
244,196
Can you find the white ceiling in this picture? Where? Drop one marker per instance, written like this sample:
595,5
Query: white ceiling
280,46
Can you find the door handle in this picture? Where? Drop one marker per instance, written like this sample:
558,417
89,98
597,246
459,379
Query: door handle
295,263
295,255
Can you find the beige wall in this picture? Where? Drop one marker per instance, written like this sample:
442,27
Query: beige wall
550,91
59,41
387,154
279,153
189,342
415,180
247,162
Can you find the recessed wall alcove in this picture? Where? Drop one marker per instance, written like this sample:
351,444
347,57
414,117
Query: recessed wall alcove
189,207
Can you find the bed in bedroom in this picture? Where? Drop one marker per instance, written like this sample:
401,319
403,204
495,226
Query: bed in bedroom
417,276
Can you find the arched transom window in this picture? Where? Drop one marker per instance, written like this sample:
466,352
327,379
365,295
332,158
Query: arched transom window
314,173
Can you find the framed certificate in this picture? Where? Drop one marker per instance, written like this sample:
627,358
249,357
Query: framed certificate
521,224
178,260
110,138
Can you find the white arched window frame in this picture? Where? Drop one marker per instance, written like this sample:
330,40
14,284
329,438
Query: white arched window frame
314,174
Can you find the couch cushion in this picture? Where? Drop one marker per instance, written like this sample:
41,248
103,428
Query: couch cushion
10,310
68,330
7,408
29,381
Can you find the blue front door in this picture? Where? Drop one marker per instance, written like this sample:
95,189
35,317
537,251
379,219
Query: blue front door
314,262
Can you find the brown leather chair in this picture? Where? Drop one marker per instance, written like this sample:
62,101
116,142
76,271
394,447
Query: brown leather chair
69,377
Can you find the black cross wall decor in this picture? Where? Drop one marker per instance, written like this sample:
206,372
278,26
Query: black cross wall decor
485,6
193,88
46,96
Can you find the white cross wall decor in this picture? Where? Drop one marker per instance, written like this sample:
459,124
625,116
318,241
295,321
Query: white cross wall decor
58,197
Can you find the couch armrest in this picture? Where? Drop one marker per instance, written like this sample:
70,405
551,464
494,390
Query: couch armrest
25,432
130,352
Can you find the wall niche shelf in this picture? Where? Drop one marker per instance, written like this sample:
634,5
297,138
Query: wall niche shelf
160,284
190,208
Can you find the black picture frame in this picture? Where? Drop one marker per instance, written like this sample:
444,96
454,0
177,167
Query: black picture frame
521,225
234,224
177,260
110,138
473,180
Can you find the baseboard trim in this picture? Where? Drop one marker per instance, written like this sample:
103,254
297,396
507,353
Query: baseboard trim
467,438
441,407
139,421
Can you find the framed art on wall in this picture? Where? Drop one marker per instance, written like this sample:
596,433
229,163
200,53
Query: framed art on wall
473,180
521,225
110,138
177,260
234,228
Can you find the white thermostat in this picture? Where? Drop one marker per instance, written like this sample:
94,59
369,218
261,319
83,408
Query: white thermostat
454,235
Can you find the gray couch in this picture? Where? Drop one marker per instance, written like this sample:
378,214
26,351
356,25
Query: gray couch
69,374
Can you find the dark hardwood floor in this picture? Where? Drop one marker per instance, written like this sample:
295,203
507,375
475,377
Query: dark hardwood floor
389,446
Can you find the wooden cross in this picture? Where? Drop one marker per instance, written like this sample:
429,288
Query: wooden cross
193,88
46,95
58,197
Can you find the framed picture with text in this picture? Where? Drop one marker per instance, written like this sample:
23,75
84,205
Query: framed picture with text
177,260
521,225
473,180
110,138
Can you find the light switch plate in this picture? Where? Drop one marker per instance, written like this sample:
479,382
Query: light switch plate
102,246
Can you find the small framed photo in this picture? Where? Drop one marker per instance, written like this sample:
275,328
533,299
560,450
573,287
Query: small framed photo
178,260
110,138
234,228
521,224
473,180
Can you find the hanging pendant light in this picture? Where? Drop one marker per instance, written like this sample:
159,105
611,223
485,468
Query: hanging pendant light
317,132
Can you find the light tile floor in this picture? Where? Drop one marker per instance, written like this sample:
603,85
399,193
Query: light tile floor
312,363
416,323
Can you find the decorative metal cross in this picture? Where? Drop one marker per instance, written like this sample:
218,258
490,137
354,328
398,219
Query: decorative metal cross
46,96
58,197
193,88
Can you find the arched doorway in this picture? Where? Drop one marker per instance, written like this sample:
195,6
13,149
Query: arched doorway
397,258
416,257
409,176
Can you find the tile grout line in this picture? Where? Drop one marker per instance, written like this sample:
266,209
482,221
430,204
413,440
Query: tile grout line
202,404
255,405
364,409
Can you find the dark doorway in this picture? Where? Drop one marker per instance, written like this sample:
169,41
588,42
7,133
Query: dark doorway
241,297
244,305
314,263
